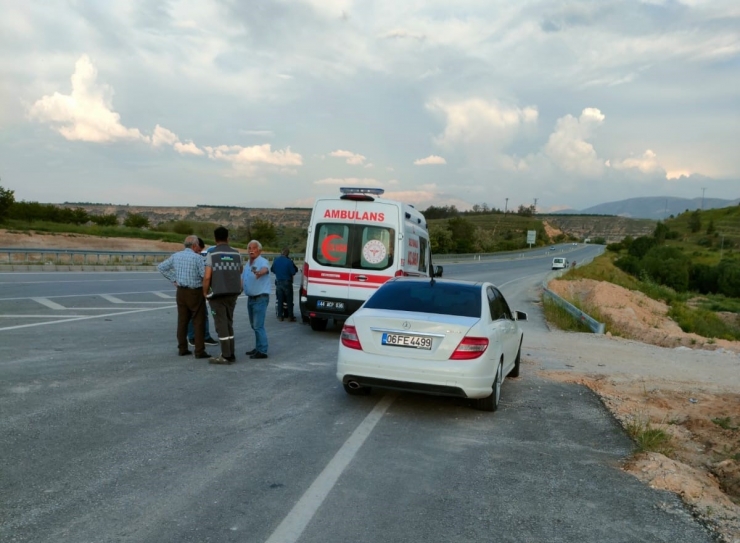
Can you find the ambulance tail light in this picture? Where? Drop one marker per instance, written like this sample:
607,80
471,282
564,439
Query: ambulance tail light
401,273
304,280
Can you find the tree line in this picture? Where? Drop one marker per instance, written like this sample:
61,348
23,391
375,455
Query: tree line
648,258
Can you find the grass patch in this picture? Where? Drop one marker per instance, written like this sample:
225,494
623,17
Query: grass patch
648,438
559,316
718,302
702,322
724,422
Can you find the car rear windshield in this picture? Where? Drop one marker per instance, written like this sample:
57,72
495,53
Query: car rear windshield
428,297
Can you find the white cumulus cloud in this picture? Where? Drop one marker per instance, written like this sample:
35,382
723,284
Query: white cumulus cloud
352,158
647,163
163,136
568,147
256,154
431,159
478,120
86,114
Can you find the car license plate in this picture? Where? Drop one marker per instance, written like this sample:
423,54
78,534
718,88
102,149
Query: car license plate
330,305
403,340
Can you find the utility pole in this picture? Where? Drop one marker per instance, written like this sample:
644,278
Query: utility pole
535,206
702,198
506,206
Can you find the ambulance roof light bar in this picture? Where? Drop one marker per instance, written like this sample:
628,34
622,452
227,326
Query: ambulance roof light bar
361,190
360,193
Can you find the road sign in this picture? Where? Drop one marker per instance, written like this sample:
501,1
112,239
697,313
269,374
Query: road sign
531,235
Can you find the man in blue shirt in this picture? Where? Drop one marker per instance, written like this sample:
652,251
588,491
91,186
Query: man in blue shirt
284,269
256,279
186,270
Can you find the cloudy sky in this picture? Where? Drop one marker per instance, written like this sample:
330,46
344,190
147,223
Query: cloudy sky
269,103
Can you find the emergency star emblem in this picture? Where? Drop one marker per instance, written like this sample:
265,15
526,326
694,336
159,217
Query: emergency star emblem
406,325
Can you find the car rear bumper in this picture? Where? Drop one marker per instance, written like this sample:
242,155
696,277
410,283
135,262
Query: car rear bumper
417,376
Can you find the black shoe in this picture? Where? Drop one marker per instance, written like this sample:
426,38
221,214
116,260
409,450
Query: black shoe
258,355
203,355
231,359
191,342
184,353
281,319
250,353
292,319
211,341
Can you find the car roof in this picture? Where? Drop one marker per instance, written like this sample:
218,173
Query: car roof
437,280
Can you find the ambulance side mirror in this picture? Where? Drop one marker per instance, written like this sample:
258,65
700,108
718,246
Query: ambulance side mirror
437,272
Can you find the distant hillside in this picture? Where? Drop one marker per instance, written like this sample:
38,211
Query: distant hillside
231,217
611,228
657,207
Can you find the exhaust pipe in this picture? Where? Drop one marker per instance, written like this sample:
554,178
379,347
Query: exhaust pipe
354,385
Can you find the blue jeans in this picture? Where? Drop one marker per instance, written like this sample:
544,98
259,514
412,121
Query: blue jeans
191,330
257,309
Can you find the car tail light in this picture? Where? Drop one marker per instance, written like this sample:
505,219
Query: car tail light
349,337
304,280
401,273
469,348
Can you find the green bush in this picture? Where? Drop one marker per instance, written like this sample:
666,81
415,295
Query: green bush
629,264
702,322
640,246
668,266
728,278
703,278
136,220
104,220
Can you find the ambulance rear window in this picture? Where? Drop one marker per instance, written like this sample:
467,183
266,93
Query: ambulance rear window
357,246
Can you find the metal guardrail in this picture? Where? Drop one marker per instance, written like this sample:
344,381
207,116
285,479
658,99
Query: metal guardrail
595,326
14,255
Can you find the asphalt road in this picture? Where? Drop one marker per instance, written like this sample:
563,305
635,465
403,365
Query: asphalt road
108,435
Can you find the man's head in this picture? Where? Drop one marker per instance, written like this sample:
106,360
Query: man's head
221,234
285,251
201,244
191,242
254,248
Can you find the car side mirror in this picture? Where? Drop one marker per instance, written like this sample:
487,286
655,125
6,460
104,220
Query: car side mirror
437,272
521,315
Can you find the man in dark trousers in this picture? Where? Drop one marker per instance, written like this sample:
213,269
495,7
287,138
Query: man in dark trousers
186,270
222,285
284,269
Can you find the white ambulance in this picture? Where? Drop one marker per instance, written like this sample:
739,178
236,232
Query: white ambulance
356,242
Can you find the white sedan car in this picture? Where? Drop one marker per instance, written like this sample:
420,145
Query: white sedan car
436,336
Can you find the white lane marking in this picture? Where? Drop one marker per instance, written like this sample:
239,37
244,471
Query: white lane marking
38,316
48,303
292,526
85,318
112,299
163,295
75,295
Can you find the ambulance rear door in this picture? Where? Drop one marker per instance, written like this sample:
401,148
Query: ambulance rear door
353,245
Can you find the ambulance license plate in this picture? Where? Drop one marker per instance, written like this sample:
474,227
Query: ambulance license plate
405,340
330,305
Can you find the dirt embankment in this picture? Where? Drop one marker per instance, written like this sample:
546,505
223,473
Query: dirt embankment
702,459
35,240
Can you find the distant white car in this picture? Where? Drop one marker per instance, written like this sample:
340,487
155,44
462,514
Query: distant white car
443,337
559,263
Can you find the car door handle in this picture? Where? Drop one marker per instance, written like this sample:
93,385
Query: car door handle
361,277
